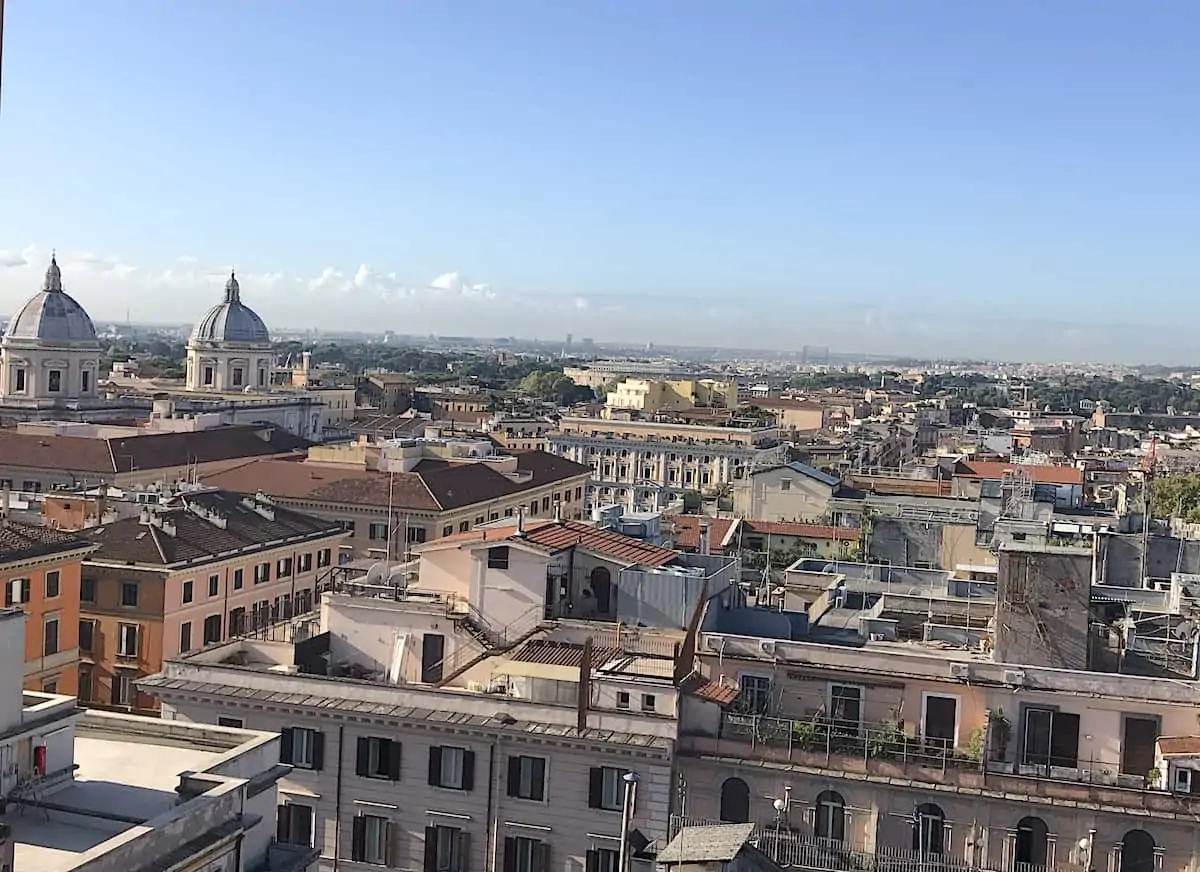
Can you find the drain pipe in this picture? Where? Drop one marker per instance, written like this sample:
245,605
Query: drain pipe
337,801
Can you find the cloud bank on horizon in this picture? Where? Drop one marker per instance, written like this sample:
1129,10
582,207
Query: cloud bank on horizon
371,300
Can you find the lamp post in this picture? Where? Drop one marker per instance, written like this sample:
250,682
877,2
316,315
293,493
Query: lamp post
782,806
1085,850
627,806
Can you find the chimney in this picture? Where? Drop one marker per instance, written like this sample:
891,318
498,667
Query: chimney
558,516
704,537
4,504
520,521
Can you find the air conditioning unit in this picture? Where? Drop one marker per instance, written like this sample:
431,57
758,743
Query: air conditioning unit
768,647
1014,677
960,670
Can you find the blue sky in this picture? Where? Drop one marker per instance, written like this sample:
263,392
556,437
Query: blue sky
885,173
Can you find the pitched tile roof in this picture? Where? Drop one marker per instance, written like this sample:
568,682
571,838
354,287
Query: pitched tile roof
700,687
717,843
25,541
207,525
433,485
553,536
1179,746
989,470
687,531
809,531
83,454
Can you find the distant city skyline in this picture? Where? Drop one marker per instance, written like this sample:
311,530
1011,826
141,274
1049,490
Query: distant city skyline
926,178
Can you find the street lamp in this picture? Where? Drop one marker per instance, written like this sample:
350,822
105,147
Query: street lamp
1085,850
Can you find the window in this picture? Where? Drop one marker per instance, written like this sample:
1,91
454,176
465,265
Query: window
87,635
262,573
85,380
602,860
648,702
323,557
54,385
479,519
622,699
185,637
294,824
50,637
785,484
305,562
735,801
415,535
208,376
525,855
448,530
122,688
237,621
238,376
606,788
578,493
87,590
214,585
17,591
31,486
464,527
377,531
831,816
212,629
127,640
371,840
53,583
129,594
498,557
302,747
378,758
846,708
754,695
446,849
1051,738
86,682
262,378
283,568
19,384
187,591
527,778
239,576
452,768
225,721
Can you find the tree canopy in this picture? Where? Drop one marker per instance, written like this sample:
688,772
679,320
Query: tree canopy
1177,496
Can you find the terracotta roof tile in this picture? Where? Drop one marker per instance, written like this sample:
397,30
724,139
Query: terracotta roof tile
687,532
1179,746
1041,474
552,536
700,687
25,541
809,531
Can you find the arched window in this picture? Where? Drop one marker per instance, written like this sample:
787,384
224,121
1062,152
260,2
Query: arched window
929,829
735,801
1032,839
1137,852
601,581
831,816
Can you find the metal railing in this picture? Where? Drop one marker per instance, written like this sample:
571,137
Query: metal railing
496,642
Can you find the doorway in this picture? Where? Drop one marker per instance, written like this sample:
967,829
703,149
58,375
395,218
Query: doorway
1137,852
939,721
1033,839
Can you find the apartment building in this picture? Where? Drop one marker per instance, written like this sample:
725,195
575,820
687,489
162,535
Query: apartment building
651,396
646,465
40,571
388,507
785,492
891,715
105,792
519,433
201,567
470,719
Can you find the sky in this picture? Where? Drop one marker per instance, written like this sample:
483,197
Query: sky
931,177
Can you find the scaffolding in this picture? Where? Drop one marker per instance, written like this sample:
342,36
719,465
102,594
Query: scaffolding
1016,494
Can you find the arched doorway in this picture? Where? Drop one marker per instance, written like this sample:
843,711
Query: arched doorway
601,581
1137,852
735,801
831,816
929,830
1032,841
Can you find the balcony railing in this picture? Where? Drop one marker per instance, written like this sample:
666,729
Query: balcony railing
885,751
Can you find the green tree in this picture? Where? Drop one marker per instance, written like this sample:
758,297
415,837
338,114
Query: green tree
1176,496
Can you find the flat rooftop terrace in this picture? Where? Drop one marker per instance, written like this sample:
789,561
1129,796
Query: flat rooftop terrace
120,784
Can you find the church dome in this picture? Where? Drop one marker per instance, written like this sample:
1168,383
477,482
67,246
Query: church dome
231,321
51,315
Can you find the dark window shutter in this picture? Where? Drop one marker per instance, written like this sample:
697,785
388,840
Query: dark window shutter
592,863
362,759
435,765
389,844
281,824
514,776
286,744
510,854
539,779
318,750
358,839
8,600
464,851
431,849
26,590
468,780
541,857
596,787
393,762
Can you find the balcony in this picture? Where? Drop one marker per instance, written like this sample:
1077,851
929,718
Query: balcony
883,751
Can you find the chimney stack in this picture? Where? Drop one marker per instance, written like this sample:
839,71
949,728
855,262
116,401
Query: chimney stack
521,521
558,515
704,537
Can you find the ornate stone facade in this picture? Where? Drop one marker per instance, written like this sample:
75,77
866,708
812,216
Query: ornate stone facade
230,348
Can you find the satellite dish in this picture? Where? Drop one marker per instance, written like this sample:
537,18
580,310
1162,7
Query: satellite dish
375,573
